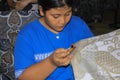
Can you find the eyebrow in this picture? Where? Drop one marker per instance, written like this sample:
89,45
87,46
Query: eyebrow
69,10
59,13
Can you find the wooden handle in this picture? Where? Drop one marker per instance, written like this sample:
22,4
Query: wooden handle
72,48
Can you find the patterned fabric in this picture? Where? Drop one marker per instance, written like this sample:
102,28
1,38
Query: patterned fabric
10,24
98,58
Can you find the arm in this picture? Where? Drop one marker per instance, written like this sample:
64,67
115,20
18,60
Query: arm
38,71
43,69
23,3
11,3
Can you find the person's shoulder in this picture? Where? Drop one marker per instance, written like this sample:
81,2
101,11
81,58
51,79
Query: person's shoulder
29,26
76,19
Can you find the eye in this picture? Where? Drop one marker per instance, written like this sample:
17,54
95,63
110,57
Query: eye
67,14
56,16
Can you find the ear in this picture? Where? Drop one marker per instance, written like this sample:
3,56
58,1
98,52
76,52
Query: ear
41,11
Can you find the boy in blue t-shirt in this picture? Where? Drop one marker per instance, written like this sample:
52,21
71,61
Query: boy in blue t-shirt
41,49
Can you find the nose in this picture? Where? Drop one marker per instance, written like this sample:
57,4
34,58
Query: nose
62,21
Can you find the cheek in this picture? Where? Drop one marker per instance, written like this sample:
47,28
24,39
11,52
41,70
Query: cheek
52,22
68,19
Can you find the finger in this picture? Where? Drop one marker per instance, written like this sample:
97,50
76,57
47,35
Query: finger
67,52
65,63
72,48
61,53
66,60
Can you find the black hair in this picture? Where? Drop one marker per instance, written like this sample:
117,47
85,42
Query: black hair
48,4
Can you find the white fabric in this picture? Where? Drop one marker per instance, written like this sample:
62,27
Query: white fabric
98,58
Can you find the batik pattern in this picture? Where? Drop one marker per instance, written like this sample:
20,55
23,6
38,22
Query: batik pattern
10,24
98,58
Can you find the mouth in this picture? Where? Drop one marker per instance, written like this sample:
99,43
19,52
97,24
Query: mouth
60,27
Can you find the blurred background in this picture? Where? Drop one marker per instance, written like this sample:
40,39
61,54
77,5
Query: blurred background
103,16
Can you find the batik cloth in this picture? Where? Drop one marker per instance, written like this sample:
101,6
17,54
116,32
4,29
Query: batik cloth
98,58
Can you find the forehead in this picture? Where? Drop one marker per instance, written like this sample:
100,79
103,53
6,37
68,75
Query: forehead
63,9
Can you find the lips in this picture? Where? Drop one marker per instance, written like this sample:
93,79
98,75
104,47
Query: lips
60,27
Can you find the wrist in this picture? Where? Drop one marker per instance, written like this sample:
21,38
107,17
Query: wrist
52,62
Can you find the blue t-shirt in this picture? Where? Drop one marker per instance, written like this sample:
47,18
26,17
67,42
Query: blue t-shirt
35,43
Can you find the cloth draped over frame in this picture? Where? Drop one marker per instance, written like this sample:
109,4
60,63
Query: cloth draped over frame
98,58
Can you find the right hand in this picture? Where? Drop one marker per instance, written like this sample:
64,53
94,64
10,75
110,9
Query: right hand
61,57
